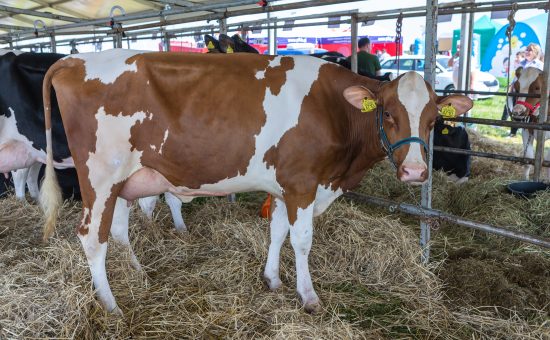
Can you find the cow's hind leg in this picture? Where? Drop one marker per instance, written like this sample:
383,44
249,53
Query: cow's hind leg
119,229
279,230
147,205
93,233
32,180
19,179
175,207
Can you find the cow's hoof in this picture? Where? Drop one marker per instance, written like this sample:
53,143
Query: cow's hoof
272,284
182,229
116,312
313,308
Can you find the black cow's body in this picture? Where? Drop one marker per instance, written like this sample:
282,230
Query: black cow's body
22,116
452,137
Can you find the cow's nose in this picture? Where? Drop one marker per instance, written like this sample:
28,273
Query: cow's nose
413,173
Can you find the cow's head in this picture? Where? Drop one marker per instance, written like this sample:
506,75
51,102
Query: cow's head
530,81
406,110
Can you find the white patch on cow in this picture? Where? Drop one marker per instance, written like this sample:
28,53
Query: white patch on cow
324,197
147,82
4,51
107,65
19,147
163,141
113,155
282,113
528,76
153,147
413,94
260,74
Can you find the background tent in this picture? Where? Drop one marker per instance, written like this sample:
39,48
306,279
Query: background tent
497,52
485,29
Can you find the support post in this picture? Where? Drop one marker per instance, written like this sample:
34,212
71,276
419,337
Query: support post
543,116
52,43
166,41
223,25
271,37
468,53
354,30
429,76
463,54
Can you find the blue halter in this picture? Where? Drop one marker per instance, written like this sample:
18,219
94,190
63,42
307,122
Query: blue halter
390,148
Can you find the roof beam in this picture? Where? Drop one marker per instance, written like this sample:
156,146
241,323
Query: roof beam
30,12
149,3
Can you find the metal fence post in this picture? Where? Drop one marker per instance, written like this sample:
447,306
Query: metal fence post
429,76
354,30
543,116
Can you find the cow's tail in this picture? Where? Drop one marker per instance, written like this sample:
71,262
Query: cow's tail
50,193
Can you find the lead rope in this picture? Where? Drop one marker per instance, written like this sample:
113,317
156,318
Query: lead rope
398,25
509,31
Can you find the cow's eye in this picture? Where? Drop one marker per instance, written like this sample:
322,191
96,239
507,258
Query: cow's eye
387,115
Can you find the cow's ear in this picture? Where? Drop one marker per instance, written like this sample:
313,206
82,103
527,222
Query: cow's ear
454,105
357,95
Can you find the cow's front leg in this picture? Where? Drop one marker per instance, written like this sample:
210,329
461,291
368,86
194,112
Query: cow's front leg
32,180
119,229
301,235
19,179
175,208
527,151
279,230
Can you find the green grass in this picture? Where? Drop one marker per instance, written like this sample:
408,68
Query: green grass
492,108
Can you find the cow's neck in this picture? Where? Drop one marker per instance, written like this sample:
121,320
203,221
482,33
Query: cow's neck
364,147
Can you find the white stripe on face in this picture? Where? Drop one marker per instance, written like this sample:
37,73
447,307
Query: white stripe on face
413,94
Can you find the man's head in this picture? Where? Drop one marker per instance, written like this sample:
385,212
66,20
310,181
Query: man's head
364,44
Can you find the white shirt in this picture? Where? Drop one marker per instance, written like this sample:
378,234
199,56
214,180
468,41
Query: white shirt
536,63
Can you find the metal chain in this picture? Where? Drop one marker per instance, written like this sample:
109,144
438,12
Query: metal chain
509,31
398,25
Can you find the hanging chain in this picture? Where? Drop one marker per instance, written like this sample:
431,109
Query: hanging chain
509,31
398,25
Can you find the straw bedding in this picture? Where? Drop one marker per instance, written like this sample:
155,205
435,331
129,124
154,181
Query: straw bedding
364,263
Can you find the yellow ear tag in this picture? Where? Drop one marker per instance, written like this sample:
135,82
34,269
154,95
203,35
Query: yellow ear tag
229,50
210,45
448,112
368,105
445,131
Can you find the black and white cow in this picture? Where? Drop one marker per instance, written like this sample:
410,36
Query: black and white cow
22,139
457,166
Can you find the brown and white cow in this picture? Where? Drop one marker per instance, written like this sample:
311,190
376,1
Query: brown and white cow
204,125
528,109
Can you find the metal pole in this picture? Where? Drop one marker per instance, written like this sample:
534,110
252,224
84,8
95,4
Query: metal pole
354,32
429,76
463,55
52,43
271,43
438,214
223,25
468,49
522,160
543,116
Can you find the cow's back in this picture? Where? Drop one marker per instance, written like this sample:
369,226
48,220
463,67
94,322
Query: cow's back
198,118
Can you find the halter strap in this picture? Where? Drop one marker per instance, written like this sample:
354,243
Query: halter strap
390,148
530,107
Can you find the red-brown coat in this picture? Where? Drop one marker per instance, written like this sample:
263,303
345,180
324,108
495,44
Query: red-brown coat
139,124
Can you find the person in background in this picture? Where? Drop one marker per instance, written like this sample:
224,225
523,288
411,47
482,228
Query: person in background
367,63
518,61
533,56
383,55
506,111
